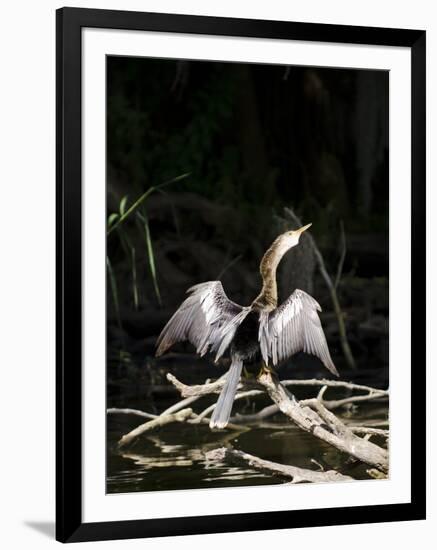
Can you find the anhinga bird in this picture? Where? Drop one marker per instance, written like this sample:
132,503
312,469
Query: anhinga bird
259,333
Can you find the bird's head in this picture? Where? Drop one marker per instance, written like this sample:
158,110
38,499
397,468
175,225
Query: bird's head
290,238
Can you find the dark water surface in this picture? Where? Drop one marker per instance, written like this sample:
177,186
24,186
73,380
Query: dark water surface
173,457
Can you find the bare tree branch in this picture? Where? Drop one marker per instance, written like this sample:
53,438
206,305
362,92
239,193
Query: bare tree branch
173,414
298,475
180,405
311,415
330,384
369,431
158,422
370,424
331,405
336,404
324,424
238,419
197,390
215,387
264,413
240,395
134,412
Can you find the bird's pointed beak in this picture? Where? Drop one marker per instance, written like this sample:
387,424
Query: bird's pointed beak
302,229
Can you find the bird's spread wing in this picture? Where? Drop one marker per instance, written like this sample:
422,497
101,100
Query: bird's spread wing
294,326
207,319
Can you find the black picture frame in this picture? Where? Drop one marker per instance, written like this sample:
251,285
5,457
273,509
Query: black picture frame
69,23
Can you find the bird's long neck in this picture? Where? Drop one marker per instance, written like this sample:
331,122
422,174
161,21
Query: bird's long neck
268,297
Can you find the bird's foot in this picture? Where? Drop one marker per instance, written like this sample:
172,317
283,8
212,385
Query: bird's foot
266,369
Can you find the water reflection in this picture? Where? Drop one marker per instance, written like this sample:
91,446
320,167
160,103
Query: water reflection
174,457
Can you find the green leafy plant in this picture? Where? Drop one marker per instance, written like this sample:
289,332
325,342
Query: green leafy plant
116,223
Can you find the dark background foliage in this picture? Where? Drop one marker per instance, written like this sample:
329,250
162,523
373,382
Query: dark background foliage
241,142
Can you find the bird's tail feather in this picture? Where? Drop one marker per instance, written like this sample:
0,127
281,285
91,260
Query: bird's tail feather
223,408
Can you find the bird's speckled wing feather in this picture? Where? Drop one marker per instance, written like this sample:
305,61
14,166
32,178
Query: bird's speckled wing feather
294,326
207,319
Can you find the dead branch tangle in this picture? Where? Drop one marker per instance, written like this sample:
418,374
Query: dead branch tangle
311,415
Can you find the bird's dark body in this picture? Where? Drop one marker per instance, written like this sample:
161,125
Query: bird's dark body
245,344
